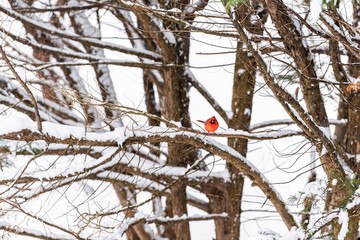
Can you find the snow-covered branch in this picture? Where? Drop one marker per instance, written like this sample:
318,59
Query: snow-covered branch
22,129
29,232
94,59
94,42
165,220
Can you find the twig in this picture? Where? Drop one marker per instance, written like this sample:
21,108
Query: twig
36,109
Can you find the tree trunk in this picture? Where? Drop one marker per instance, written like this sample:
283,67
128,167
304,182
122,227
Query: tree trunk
243,91
176,88
351,133
293,41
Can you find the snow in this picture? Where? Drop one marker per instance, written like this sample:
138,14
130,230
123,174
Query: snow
169,36
326,131
34,232
147,166
334,182
60,131
315,10
294,234
265,234
119,135
12,124
79,167
254,19
121,230
178,124
343,220
279,122
271,122
241,71
260,135
356,201
312,189
338,30
268,234
62,169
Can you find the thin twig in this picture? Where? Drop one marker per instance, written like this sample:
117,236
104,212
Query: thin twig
23,84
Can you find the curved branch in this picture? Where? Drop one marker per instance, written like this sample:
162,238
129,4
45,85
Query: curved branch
75,136
232,156
36,108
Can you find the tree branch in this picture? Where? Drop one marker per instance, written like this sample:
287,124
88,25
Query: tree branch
35,105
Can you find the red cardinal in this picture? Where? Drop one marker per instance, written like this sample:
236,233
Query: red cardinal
211,124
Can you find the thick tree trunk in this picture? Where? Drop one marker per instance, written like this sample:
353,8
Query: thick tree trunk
349,136
176,109
219,203
176,88
243,91
351,142
293,41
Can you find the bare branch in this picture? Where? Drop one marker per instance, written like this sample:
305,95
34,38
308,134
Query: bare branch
36,108
71,36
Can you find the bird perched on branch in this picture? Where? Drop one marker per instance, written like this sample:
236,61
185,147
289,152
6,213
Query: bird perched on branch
211,124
